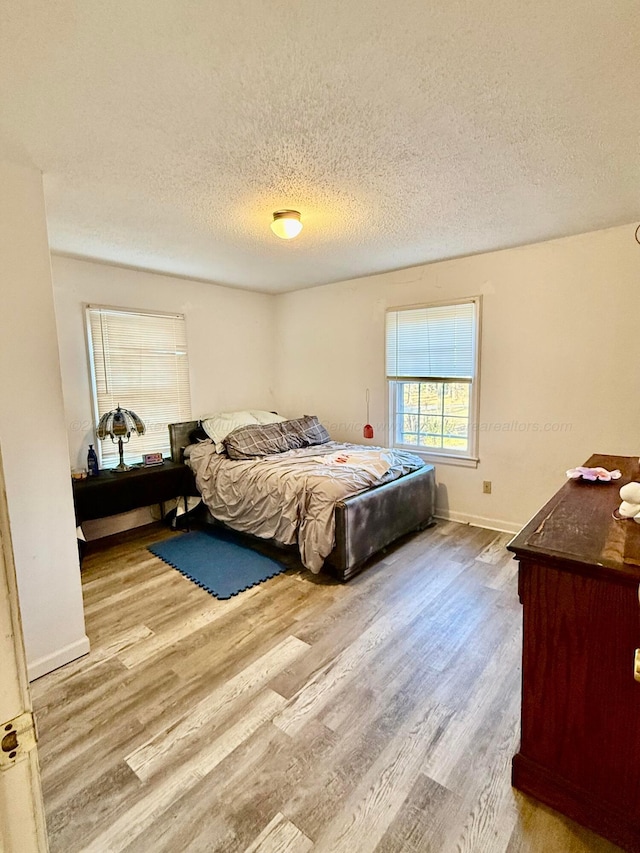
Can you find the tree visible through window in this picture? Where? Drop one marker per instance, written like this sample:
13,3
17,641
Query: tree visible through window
431,369
139,361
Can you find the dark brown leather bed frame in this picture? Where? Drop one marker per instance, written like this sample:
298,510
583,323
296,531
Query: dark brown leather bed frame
366,522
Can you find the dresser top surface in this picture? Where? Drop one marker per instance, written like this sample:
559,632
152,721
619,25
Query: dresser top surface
578,525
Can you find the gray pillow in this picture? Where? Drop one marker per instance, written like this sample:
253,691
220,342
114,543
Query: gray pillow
253,440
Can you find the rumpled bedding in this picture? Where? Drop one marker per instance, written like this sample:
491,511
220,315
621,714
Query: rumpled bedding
290,497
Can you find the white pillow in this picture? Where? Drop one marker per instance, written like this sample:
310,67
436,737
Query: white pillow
267,417
219,425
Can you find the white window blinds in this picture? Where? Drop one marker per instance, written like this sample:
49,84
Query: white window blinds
435,342
139,361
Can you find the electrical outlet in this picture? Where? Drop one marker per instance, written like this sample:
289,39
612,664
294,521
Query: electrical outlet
486,487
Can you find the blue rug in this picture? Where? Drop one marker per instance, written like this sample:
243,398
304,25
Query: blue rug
215,562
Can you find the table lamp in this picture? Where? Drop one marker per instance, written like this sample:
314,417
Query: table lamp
119,424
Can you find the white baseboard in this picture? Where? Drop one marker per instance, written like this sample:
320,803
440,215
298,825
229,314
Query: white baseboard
48,663
479,521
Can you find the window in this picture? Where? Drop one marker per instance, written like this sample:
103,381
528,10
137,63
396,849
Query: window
139,361
432,374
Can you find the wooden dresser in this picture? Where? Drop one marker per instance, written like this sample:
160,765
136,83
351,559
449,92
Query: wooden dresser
579,582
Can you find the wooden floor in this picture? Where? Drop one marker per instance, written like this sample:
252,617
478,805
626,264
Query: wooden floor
301,715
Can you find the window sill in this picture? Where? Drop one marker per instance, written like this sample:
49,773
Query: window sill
442,458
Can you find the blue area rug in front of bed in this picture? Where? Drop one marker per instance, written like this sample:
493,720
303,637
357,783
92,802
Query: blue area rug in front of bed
215,562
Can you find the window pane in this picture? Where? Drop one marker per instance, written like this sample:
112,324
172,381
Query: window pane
456,398
456,427
431,397
431,424
410,396
431,441
410,423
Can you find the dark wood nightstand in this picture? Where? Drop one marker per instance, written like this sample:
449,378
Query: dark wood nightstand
111,493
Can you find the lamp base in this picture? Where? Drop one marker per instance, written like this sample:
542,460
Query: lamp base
121,467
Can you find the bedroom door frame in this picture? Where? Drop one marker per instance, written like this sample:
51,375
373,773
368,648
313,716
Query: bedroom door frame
22,820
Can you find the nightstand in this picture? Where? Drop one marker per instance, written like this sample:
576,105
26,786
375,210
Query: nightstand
111,493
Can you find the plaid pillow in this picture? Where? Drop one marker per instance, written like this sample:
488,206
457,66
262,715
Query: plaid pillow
254,440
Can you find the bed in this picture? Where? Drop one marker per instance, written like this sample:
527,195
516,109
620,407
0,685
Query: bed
361,524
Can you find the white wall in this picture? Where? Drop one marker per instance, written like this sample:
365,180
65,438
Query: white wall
229,337
559,324
33,434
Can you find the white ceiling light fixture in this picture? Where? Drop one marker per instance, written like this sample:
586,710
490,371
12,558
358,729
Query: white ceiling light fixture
286,224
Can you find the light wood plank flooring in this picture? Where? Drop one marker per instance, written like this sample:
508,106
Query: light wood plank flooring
301,715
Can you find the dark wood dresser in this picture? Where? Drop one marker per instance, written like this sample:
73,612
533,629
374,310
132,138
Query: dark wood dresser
579,582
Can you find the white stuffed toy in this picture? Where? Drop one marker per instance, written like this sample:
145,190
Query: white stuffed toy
630,506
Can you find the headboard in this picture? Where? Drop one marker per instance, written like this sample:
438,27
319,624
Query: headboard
179,438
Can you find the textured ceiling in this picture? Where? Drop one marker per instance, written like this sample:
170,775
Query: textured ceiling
169,130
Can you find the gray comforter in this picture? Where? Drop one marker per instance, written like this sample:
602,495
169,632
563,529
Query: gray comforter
290,497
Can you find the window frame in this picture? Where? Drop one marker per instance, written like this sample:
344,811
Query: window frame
468,457
133,457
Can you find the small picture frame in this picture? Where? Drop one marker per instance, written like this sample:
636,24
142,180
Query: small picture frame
150,459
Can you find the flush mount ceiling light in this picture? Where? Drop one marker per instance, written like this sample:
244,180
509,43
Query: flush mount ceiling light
286,224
